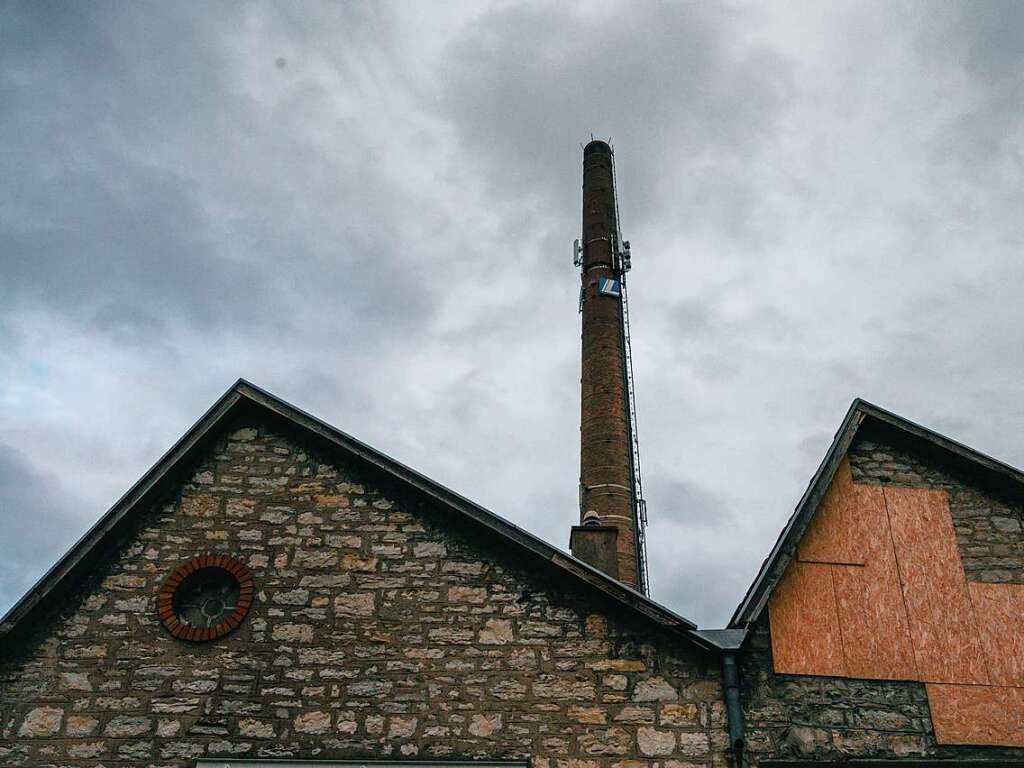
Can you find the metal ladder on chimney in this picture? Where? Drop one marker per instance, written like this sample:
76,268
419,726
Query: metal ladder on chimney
639,503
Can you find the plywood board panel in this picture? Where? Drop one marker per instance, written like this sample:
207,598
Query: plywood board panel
804,622
977,714
999,610
947,646
872,615
835,534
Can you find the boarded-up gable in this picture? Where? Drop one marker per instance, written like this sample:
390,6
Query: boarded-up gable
878,591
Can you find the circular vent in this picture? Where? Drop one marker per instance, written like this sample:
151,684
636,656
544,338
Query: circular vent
205,598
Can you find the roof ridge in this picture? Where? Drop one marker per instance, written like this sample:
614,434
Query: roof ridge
78,556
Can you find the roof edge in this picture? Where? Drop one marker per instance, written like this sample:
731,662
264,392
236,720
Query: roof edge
58,574
59,570
859,412
494,522
752,601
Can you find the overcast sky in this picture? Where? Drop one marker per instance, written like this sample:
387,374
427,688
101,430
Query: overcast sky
368,209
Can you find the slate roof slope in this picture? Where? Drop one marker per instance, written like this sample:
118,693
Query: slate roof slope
861,416
82,555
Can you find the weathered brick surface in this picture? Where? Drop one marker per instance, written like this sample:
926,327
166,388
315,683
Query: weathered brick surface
835,719
989,527
379,630
605,450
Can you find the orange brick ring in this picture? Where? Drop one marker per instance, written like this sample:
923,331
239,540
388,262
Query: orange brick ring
205,598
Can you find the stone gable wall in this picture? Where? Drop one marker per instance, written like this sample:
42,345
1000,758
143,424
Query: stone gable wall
380,629
835,719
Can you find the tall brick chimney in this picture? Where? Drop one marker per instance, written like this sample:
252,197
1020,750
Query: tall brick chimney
607,536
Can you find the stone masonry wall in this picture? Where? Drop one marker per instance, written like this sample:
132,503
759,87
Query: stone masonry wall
381,629
837,719
988,527
834,719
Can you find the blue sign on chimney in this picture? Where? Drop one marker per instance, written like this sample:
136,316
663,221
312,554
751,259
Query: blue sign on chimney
608,287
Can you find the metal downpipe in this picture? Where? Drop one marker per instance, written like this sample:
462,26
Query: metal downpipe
733,709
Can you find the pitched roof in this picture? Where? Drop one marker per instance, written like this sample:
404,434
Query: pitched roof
863,416
84,554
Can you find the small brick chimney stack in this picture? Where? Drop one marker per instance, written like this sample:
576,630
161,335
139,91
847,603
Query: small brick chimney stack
607,535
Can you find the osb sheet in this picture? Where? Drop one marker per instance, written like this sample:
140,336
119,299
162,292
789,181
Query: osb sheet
872,614
835,534
947,646
804,622
977,714
999,609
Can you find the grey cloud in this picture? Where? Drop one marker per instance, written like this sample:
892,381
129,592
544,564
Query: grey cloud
822,204
714,344
704,587
39,523
813,447
162,195
688,504
692,319
526,83
977,53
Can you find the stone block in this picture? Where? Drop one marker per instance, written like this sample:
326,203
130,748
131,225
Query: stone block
496,632
485,725
41,722
354,604
313,723
654,689
402,727
293,633
654,742
124,726
605,742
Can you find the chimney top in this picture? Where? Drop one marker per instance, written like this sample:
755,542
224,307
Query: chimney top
597,146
